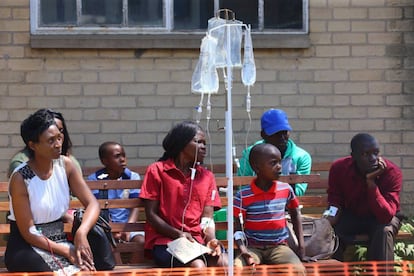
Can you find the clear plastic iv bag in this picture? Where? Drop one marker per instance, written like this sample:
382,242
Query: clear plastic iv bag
205,78
248,71
220,28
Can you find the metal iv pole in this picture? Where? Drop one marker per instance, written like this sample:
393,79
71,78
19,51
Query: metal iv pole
227,25
229,157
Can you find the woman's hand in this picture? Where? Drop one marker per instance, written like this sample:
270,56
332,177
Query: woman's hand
121,237
215,246
74,260
125,236
187,236
83,253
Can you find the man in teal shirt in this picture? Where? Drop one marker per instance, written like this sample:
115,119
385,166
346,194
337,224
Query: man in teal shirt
276,131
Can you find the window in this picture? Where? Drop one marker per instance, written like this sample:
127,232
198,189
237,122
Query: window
170,20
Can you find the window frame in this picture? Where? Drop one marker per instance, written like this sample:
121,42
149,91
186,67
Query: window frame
143,38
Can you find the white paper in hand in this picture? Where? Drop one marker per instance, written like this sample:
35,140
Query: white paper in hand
185,250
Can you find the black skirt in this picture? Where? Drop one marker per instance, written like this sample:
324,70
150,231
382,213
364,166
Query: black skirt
21,256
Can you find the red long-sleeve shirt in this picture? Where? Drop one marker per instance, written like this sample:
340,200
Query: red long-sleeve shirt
348,189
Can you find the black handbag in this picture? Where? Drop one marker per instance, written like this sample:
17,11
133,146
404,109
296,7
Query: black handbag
100,240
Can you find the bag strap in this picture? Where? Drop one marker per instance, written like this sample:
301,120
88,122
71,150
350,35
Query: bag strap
103,194
106,227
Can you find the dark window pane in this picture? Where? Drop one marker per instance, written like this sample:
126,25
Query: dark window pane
101,12
145,13
192,14
283,14
245,11
57,12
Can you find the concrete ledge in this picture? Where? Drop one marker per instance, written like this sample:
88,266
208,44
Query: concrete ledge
159,41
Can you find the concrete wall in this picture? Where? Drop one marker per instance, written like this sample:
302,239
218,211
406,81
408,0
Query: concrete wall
356,76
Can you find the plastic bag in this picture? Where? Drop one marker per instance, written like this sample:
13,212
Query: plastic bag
205,77
248,71
219,28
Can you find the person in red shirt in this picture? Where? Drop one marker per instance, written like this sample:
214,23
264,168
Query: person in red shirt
180,197
364,198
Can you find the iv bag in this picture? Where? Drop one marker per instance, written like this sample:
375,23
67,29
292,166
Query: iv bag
248,71
205,78
220,28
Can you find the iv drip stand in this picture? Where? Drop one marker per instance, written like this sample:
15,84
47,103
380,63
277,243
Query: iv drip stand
229,147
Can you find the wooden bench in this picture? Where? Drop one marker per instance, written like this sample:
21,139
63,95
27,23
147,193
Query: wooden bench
314,202
131,203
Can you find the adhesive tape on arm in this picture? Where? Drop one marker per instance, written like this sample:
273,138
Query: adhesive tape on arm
193,172
333,210
207,222
33,230
239,235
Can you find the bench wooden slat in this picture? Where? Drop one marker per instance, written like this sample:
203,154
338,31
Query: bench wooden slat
113,184
4,206
127,227
4,228
314,179
313,201
136,168
115,226
111,203
321,166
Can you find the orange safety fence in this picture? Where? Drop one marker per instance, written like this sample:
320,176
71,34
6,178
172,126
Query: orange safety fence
312,269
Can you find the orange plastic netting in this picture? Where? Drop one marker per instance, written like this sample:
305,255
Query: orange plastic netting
330,268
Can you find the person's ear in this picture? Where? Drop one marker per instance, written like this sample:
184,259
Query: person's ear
353,155
31,145
103,161
255,167
263,135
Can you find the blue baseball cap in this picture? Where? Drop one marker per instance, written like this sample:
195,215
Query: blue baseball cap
274,120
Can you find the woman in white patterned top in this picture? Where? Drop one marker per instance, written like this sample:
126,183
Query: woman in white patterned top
39,192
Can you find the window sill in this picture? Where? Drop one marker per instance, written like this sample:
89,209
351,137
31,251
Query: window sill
158,41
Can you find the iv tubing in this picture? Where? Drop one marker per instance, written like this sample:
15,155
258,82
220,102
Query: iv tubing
208,117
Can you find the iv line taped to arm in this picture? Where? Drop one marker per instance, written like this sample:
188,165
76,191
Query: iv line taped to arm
331,212
239,235
207,222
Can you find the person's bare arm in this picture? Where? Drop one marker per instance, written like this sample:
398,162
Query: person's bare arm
162,227
133,217
210,231
81,190
296,219
240,240
25,222
370,177
332,214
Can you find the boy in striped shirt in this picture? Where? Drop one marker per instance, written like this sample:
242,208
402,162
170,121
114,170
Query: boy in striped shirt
259,209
